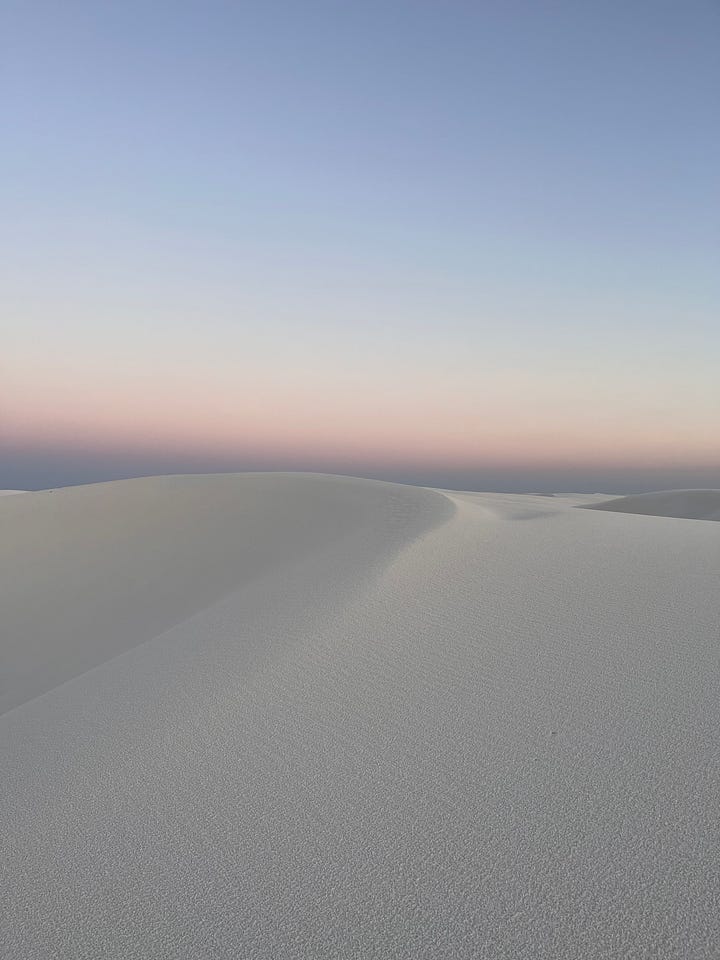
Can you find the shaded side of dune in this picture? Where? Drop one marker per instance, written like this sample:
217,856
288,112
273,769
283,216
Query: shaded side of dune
88,572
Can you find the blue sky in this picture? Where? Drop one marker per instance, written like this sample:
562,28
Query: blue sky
397,237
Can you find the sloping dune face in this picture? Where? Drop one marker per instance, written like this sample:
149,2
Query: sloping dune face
684,504
88,572
412,725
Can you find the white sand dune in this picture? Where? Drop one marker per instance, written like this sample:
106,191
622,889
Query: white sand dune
88,572
680,504
284,716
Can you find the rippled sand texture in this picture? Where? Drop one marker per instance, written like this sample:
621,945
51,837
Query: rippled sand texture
288,716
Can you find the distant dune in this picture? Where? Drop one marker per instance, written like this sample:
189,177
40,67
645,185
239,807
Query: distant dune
287,716
685,504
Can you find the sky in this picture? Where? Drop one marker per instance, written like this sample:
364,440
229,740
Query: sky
467,244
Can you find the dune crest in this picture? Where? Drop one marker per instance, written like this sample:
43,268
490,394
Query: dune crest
88,572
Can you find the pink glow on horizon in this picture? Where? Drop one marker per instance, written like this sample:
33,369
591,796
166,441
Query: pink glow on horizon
394,444
502,418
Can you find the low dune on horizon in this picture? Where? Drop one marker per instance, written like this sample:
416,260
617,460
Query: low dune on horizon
675,504
294,715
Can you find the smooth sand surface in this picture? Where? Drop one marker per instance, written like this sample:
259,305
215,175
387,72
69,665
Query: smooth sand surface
381,722
87,572
680,504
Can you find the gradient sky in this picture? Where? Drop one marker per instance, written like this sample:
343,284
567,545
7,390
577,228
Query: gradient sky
464,243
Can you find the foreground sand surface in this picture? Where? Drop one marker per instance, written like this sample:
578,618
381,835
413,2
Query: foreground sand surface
282,716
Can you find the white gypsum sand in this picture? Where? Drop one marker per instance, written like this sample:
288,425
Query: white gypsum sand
87,572
680,504
382,721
